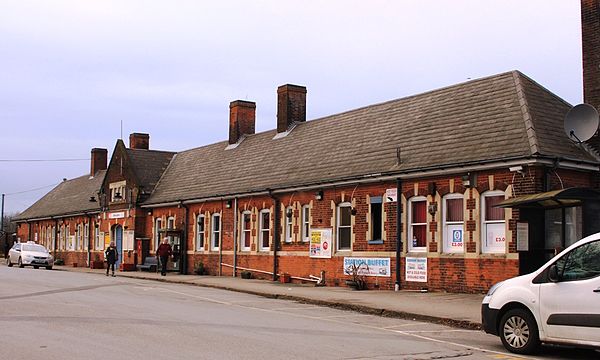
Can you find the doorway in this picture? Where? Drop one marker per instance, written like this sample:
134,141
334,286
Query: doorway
117,236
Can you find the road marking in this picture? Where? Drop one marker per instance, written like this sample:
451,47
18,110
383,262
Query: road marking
295,308
436,331
197,297
402,325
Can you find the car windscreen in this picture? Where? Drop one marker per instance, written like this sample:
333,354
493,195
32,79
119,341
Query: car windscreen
33,247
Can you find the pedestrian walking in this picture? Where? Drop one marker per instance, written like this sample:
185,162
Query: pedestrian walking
111,255
163,252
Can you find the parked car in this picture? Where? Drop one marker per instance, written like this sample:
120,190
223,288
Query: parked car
559,303
29,254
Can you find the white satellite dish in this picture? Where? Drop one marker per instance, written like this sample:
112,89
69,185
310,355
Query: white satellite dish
581,122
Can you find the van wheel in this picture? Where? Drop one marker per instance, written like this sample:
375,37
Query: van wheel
20,263
519,332
8,262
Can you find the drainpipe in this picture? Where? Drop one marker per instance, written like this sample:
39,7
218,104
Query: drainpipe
221,240
183,244
398,232
55,237
89,239
275,233
29,231
235,235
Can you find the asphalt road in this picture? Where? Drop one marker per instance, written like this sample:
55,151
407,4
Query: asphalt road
68,315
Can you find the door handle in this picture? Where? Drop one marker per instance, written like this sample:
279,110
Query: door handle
597,290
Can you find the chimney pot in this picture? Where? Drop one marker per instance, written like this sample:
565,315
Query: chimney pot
242,118
99,158
139,141
291,106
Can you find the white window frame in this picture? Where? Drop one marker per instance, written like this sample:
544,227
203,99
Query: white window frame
61,238
86,236
485,248
338,226
98,244
157,228
262,229
452,225
289,225
412,248
305,223
78,232
70,244
215,234
375,200
243,230
53,238
200,233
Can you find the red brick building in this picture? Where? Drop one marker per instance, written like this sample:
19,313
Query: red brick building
452,176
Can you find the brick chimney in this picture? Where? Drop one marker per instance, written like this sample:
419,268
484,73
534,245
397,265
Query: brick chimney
242,117
590,36
139,141
291,106
99,157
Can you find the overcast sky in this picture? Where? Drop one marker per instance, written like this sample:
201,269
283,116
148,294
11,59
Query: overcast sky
71,71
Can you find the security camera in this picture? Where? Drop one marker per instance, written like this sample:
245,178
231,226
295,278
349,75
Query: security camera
516,169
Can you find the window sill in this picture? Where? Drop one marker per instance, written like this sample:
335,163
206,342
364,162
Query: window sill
375,242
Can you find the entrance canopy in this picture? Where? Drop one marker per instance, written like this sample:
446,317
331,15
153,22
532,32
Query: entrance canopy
552,199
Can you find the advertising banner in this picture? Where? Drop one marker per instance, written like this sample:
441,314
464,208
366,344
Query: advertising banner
320,243
416,269
367,266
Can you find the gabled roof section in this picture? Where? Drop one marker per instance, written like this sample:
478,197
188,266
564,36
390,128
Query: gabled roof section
148,166
490,119
69,197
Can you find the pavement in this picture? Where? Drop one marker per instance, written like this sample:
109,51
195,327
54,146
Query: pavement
458,310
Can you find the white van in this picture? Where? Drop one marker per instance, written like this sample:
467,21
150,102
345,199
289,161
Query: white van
559,303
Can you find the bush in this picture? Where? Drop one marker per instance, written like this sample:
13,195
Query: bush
199,269
59,262
246,274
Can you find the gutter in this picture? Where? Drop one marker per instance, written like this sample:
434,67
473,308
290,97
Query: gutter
407,175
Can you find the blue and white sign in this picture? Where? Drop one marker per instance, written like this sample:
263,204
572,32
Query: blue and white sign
454,239
367,266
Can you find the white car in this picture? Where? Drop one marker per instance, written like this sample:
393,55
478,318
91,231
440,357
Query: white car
559,303
29,254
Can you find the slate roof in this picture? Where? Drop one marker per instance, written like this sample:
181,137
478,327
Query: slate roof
68,197
148,166
494,118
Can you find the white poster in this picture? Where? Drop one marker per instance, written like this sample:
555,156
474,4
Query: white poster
416,269
116,215
391,195
128,240
454,239
495,239
367,266
320,243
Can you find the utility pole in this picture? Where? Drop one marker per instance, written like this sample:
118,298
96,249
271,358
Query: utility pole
2,216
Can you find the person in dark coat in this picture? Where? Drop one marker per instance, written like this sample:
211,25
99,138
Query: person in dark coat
111,255
163,252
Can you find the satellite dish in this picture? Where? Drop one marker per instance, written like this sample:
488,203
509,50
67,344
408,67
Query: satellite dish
581,122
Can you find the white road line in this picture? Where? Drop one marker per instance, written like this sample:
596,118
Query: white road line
403,325
436,331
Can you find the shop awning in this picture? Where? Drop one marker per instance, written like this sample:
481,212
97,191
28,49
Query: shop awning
552,199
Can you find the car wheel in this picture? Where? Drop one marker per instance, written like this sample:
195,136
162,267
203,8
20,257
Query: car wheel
36,267
8,262
519,332
48,267
20,263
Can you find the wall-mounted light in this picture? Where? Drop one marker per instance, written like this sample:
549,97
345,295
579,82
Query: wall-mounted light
432,208
289,213
469,180
228,204
353,211
319,195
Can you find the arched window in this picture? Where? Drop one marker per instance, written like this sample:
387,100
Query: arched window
493,223
157,227
215,234
289,224
417,224
453,223
246,231
200,232
264,229
344,226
